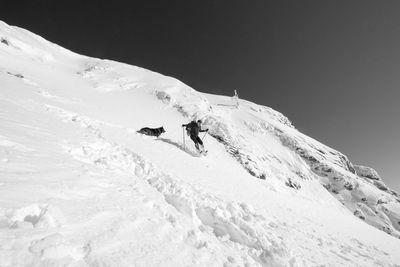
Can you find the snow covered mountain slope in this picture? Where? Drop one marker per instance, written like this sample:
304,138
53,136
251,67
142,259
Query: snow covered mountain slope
79,186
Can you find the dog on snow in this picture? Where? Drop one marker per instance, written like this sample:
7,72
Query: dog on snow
152,131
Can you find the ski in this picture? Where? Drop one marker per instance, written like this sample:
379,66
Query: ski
203,153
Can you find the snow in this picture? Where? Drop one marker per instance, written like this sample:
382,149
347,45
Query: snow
79,186
367,172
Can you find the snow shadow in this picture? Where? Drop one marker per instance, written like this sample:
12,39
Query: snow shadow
178,145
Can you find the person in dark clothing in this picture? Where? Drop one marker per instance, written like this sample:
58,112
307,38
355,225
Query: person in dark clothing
193,129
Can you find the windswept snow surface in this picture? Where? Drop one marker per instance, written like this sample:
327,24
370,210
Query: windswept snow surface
79,186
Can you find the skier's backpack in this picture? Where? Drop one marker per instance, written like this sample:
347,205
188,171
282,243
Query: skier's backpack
189,128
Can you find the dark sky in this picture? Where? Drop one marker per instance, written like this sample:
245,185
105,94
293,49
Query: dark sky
332,67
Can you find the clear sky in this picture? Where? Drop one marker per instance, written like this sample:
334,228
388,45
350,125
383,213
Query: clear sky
332,67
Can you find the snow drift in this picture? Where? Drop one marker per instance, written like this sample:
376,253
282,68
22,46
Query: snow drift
80,187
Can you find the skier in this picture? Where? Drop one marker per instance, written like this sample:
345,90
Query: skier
193,128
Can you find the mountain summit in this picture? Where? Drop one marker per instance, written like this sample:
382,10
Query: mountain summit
80,186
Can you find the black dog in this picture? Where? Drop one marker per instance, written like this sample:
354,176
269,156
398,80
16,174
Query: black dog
152,132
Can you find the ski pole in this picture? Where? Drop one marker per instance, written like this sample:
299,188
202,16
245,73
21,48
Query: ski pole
204,136
183,134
